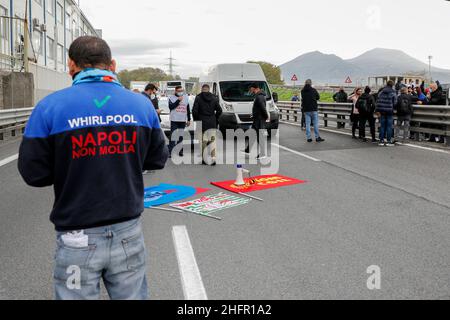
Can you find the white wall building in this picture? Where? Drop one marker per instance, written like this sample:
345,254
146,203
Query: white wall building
53,25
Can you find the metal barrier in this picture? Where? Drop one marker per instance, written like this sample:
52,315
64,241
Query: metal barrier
426,119
13,121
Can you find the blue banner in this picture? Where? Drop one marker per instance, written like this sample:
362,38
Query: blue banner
168,193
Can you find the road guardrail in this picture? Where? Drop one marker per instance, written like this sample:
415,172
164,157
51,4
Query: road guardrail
427,119
13,121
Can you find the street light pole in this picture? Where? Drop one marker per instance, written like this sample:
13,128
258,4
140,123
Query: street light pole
429,67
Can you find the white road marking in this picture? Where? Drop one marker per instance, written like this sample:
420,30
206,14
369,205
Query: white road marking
191,279
8,160
402,144
423,148
297,153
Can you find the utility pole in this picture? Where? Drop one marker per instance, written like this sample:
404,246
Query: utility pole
429,67
170,64
26,40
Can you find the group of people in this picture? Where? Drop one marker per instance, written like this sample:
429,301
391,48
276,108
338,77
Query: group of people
368,107
206,110
392,99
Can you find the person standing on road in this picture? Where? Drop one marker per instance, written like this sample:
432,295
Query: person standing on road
310,97
387,99
180,116
91,142
355,116
366,107
436,97
150,92
404,109
341,97
207,110
260,116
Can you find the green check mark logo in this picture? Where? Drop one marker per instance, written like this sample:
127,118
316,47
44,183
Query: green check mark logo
101,104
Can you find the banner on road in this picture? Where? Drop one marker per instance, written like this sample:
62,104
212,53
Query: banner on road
259,183
168,193
207,205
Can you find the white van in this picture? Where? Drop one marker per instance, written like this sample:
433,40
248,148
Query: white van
230,83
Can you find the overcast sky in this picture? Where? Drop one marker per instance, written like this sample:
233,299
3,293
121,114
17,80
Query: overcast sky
201,33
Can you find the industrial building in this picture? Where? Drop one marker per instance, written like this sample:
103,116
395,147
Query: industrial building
42,52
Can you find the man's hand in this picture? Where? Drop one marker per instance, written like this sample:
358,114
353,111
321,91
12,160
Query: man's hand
180,98
188,124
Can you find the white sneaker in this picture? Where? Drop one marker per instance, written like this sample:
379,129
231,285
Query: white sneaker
390,144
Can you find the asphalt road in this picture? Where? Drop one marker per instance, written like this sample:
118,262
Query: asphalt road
362,206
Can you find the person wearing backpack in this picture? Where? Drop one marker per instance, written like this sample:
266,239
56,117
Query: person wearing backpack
355,116
387,100
366,108
404,113
341,97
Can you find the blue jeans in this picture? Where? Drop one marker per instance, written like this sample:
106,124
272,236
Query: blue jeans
314,117
115,254
386,127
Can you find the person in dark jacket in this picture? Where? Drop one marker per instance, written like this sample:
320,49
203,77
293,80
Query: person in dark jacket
310,97
341,97
387,100
207,110
366,105
436,97
91,142
260,116
150,92
404,109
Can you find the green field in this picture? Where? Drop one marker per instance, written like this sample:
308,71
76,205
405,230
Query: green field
285,94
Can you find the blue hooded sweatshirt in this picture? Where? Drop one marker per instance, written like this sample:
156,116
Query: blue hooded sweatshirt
91,142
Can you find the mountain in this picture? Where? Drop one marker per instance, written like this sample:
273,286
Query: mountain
331,69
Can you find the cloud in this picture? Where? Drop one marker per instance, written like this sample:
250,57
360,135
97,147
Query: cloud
142,47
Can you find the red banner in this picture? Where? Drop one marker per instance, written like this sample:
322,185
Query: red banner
259,183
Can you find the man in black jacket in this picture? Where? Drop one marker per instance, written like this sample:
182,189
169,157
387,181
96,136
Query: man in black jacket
436,97
207,110
366,106
341,97
150,92
259,114
310,96
404,113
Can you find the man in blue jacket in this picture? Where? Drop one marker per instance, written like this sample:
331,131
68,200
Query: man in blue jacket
91,142
387,99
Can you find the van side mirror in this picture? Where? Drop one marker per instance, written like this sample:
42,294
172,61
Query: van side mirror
275,97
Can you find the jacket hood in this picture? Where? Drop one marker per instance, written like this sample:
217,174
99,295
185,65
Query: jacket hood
207,96
388,90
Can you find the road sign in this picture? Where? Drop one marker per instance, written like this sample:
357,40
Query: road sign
348,80
294,78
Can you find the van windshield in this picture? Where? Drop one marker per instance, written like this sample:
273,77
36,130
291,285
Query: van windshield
238,91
